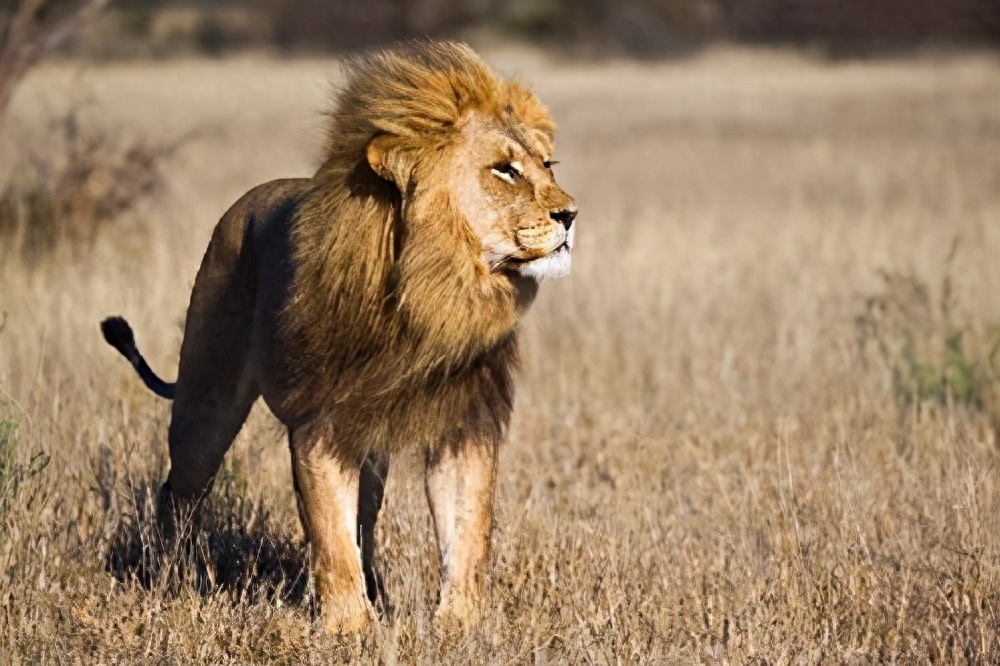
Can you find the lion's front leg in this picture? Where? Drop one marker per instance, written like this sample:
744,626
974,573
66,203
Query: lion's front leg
460,484
327,489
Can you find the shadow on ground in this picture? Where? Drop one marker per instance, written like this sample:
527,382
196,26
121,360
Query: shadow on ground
235,550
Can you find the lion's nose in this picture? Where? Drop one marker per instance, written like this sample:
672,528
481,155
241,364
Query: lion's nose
565,216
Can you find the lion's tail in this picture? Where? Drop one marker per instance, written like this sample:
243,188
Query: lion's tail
119,335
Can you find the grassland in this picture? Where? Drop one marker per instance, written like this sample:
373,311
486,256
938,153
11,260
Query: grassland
745,432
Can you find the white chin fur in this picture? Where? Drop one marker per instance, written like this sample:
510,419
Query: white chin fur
555,265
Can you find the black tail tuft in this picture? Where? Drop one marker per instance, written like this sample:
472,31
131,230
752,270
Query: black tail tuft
119,335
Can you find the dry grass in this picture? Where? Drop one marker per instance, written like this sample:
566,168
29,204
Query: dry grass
710,459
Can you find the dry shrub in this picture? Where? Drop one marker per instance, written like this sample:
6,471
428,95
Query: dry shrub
17,470
50,207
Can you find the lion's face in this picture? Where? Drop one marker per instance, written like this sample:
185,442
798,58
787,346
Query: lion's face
503,183
498,174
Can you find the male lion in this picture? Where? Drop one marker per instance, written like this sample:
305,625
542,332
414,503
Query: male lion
375,306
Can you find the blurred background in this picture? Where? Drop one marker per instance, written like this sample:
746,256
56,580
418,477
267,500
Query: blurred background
643,28
580,31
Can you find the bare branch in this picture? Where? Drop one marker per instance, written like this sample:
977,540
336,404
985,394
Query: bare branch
29,34
63,29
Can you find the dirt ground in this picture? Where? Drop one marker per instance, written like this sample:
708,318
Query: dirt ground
744,432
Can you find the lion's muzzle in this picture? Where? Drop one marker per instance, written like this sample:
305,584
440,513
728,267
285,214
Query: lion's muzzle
555,260
536,242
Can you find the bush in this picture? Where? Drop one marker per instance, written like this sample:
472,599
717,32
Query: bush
8,449
13,473
932,355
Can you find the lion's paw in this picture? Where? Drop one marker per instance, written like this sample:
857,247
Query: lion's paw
459,608
352,618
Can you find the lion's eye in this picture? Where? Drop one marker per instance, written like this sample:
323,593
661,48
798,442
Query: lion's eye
507,172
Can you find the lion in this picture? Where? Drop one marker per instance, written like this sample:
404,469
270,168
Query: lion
375,308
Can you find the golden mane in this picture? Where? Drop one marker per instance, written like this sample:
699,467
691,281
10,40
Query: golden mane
420,92
399,331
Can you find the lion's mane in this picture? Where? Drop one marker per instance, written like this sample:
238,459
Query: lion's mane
400,335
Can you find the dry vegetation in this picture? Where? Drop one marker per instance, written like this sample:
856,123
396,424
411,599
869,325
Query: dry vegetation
745,431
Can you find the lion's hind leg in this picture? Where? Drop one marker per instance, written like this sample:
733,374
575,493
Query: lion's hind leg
202,428
216,386
374,471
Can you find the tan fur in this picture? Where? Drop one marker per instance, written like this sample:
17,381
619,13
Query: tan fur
375,307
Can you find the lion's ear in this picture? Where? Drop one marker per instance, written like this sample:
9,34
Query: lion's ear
385,156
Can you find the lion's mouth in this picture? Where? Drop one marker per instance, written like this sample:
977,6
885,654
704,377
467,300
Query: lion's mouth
555,264
517,262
